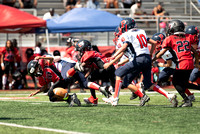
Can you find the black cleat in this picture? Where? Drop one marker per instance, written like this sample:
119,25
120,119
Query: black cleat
133,96
73,100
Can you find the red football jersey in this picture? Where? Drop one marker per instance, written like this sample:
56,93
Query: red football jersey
181,47
94,57
9,55
49,75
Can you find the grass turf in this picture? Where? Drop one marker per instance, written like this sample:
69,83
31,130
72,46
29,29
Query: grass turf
157,116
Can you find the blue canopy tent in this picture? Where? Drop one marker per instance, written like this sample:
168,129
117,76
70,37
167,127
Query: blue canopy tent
84,20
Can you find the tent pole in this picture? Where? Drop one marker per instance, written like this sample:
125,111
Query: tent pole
108,39
6,36
47,37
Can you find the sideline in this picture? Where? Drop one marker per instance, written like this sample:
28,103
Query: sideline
41,128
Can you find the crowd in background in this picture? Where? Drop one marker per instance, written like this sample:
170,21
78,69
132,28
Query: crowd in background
134,5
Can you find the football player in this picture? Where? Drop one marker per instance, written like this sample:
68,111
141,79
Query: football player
169,65
134,46
181,45
94,61
47,73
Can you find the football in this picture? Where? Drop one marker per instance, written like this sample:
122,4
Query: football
60,92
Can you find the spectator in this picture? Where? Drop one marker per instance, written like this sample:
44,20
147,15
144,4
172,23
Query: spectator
163,24
37,50
51,14
9,2
159,10
28,3
111,3
136,11
94,4
78,4
8,63
127,3
70,4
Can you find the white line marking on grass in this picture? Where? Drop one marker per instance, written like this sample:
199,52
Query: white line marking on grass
41,128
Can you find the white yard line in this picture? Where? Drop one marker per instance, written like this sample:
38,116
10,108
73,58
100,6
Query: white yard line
121,93
41,128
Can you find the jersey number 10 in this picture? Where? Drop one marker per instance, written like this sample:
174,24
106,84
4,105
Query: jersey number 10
142,40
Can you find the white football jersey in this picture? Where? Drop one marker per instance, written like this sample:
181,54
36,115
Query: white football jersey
137,39
166,56
126,53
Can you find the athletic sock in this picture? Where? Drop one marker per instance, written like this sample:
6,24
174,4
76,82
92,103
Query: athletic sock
92,91
187,91
160,90
71,72
139,93
118,85
4,80
93,85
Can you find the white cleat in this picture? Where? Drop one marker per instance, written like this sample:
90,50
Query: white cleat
173,100
113,101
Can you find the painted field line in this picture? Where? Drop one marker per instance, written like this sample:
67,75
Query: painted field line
41,128
17,98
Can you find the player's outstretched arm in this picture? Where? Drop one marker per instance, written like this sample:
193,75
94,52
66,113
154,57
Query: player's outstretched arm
153,43
159,54
43,88
121,49
196,57
123,62
107,65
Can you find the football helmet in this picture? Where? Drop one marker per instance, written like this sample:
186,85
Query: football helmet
83,45
159,37
116,34
126,24
192,30
175,26
34,68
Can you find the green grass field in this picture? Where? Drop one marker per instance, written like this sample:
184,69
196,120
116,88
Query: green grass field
39,116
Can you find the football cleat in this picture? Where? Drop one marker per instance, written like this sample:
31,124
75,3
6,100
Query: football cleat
133,96
187,103
78,67
74,99
113,101
191,97
105,91
91,100
173,100
144,99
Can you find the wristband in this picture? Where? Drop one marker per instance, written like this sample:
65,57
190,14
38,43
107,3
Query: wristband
2,64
